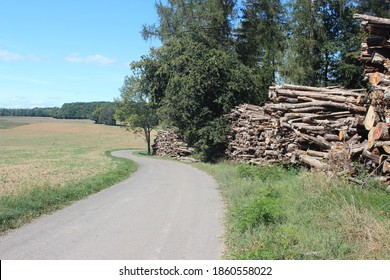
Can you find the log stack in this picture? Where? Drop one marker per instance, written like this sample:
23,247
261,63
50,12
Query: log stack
375,54
256,136
168,143
326,128
327,122
315,125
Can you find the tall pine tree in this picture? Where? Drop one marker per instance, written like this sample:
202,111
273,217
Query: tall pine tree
378,8
210,19
261,37
303,64
323,44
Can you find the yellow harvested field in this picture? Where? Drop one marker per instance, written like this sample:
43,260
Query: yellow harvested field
51,153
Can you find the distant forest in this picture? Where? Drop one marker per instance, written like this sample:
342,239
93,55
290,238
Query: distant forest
100,112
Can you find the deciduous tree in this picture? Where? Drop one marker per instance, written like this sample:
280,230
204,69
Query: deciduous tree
134,109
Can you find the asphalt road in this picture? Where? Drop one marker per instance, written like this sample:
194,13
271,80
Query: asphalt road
165,211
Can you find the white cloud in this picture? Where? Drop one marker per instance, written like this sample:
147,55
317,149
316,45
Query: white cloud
10,56
95,59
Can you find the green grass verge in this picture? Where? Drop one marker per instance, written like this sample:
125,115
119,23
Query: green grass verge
17,210
278,213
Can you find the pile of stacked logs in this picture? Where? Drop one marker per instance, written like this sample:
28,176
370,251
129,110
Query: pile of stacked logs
168,143
326,128
314,125
375,50
375,54
257,136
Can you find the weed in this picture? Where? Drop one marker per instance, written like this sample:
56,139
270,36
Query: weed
278,213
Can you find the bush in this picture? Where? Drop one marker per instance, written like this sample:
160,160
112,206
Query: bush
263,173
263,209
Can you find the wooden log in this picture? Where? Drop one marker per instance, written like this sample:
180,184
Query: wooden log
313,153
386,63
385,145
343,135
371,118
326,104
386,167
368,155
386,95
370,140
309,109
331,137
379,79
372,19
378,29
357,148
378,58
375,41
380,132
315,140
327,90
316,95
305,127
313,162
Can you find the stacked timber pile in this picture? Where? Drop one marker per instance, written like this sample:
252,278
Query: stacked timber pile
326,122
168,143
375,54
316,125
257,137
324,127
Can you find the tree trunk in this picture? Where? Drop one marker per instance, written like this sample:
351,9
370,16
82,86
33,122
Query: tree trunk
147,137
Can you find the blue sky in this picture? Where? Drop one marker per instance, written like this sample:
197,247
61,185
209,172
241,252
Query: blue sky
53,52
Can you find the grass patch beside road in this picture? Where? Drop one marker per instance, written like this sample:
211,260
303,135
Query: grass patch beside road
17,210
277,213
48,163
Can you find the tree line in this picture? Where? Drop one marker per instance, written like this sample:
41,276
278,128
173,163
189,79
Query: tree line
216,54
100,112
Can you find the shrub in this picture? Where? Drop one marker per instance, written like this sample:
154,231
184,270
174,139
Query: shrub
263,209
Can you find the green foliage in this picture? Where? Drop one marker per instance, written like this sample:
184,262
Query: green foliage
195,86
35,112
378,8
211,18
135,110
300,215
79,110
263,209
263,173
324,43
104,114
261,37
282,246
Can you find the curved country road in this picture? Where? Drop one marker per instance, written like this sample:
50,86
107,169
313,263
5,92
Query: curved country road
165,210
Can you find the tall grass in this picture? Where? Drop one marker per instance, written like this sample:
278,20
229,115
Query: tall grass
278,213
19,209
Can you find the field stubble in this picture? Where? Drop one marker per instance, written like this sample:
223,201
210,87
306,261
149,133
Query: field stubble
49,153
